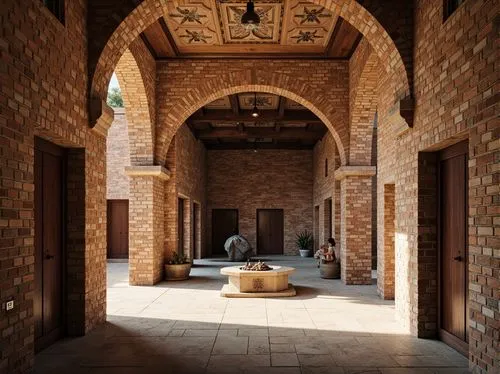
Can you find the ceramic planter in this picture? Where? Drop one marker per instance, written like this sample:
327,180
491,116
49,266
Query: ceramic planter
305,252
329,270
177,272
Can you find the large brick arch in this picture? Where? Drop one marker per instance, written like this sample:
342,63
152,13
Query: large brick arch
138,92
101,65
173,113
363,81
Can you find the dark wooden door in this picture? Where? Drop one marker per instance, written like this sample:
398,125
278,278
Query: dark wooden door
270,231
224,225
117,228
49,239
453,239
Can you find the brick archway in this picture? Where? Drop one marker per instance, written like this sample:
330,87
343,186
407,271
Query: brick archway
103,64
364,75
139,103
279,84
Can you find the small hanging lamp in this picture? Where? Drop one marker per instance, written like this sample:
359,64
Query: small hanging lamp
250,19
255,110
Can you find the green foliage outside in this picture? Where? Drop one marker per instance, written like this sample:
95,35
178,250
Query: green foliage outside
115,99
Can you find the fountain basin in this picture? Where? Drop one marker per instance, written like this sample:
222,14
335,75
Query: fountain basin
248,283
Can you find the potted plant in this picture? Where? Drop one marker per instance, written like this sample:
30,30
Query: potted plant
328,261
304,242
178,267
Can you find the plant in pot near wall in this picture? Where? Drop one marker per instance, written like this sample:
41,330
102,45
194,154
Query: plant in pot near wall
178,267
328,261
304,242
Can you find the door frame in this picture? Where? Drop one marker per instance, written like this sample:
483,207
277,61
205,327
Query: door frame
213,226
448,338
47,147
257,230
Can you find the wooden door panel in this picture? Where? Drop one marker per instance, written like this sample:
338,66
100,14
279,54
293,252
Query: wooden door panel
270,231
49,238
453,238
224,225
118,229
52,242
38,296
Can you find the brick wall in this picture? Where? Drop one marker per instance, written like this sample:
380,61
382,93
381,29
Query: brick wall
454,81
136,73
325,187
44,93
186,162
266,179
186,85
117,157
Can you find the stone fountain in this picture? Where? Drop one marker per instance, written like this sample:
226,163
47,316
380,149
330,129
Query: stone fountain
257,280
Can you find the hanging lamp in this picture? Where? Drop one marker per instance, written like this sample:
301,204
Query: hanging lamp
250,19
255,110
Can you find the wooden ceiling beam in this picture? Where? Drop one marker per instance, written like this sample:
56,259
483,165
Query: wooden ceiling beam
227,116
235,105
258,132
257,146
281,107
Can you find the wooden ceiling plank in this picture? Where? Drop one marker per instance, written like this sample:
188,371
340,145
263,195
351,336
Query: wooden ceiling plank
227,116
169,36
257,146
259,132
158,41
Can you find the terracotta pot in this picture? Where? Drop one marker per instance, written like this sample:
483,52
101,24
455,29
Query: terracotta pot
329,270
177,272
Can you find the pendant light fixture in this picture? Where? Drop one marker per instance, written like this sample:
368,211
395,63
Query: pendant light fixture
255,111
250,19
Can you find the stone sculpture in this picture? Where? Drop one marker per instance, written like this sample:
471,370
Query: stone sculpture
238,248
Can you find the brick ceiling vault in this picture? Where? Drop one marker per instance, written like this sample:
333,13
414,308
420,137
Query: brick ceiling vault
108,43
176,114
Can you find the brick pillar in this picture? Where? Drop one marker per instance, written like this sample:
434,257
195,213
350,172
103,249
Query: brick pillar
146,223
385,257
356,223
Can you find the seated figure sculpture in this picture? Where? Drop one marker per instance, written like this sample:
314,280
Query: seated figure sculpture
238,248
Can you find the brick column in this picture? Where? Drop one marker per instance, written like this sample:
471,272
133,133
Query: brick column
385,257
146,221
356,223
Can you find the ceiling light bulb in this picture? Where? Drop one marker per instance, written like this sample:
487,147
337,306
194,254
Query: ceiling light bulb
255,112
250,19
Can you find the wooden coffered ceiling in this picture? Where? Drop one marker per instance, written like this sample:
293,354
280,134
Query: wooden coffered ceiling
227,123
289,28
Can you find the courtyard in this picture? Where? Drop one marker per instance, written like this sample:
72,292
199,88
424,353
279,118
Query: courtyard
186,327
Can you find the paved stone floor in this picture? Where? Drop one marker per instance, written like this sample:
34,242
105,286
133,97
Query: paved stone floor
186,327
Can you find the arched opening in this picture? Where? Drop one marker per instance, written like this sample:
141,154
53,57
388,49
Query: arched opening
245,167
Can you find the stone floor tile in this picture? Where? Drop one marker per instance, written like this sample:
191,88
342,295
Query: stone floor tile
282,348
230,345
314,348
223,332
322,370
284,359
258,345
253,332
315,360
191,332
